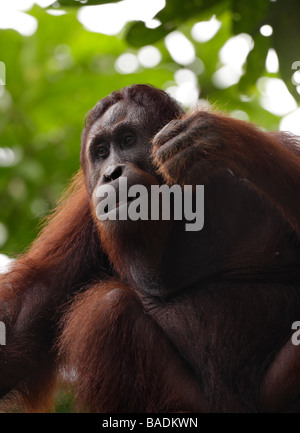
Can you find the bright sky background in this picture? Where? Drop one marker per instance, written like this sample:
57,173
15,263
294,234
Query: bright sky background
110,19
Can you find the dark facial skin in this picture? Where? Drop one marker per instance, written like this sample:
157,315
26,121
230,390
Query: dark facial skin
117,140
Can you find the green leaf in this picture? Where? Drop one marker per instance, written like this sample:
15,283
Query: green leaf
172,16
139,35
248,17
78,3
256,61
285,22
179,11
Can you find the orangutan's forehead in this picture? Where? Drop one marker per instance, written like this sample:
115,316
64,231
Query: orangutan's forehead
122,111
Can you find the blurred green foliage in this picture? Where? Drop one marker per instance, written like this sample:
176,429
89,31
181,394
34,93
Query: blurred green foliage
56,75
245,17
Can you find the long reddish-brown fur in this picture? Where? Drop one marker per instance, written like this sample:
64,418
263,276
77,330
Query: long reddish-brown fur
66,303
114,364
64,256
